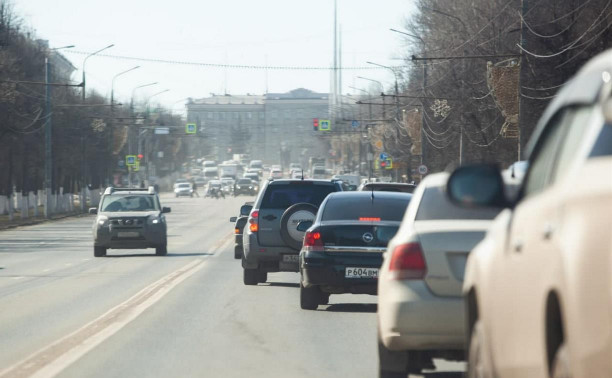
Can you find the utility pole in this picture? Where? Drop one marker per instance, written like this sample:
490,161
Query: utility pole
524,5
48,150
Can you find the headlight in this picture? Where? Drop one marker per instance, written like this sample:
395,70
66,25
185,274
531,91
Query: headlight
102,221
156,219
250,187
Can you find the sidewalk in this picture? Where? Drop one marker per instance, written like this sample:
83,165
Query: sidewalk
17,221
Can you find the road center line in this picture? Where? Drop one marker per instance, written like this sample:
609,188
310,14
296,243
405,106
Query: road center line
54,358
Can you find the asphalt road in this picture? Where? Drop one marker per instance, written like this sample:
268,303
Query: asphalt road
68,314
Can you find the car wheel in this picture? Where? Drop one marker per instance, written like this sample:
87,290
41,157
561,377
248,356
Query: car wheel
324,298
288,223
479,362
162,250
249,276
561,365
99,251
237,252
262,276
309,297
391,364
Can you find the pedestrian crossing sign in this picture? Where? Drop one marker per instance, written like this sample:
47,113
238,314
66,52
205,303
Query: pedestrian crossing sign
190,128
130,160
324,125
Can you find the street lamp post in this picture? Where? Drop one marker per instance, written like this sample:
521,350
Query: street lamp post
85,61
48,134
113,84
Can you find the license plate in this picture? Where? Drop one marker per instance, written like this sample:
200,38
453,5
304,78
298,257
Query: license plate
291,258
361,272
128,234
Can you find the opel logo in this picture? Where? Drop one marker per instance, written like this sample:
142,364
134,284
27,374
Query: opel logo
367,237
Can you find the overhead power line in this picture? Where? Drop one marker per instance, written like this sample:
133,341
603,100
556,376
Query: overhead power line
218,65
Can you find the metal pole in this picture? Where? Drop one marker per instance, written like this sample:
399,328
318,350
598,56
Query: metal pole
48,150
524,6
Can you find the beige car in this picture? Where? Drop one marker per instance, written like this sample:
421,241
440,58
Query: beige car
420,309
538,288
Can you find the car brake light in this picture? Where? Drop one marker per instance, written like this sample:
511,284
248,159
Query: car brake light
369,219
236,230
407,262
313,241
254,221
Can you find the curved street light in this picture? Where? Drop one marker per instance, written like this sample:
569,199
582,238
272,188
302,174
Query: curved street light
85,61
113,83
136,88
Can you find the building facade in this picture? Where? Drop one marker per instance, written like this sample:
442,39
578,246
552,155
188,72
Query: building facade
276,128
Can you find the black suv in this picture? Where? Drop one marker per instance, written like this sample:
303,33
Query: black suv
129,218
271,241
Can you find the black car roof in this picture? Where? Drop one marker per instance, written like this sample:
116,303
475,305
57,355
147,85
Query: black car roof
368,195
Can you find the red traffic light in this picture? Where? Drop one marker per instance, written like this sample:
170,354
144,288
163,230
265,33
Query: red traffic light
140,156
315,124
383,163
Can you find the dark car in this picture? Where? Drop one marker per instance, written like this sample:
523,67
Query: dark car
389,187
129,218
245,186
239,223
272,241
343,250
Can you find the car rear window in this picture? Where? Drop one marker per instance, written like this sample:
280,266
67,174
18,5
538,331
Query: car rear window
351,208
281,196
435,205
244,181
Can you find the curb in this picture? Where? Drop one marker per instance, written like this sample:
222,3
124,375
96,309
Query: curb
31,222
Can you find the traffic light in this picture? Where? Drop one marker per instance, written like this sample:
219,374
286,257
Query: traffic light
315,124
386,163
383,164
140,156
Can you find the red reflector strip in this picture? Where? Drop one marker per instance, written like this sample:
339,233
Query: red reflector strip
369,219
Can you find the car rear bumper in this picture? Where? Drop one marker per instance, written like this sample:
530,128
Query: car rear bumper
328,271
410,317
269,259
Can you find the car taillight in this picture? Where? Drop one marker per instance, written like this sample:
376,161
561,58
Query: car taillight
254,221
407,262
236,230
313,241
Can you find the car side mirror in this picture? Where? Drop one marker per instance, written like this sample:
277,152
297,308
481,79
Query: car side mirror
245,210
304,225
478,185
93,210
166,209
233,219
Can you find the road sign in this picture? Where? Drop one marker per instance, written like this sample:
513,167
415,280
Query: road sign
383,156
121,163
324,125
355,124
130,160
379,144
370,156
423,169
190,128
136,166
162,130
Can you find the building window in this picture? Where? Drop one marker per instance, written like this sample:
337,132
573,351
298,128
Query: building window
249,115
210,115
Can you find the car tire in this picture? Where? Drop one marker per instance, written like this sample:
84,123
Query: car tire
391,364
310,297
262,276
324,298
99,251
237,252
161,250
250,276
284,223
561,363
479,360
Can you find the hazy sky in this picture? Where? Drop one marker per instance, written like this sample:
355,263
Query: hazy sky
241,32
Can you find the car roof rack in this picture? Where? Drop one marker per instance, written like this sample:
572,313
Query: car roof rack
111,190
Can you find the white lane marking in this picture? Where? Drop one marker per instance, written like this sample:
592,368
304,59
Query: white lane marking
17,278
85,259
223,247
46,270
68,264
54,358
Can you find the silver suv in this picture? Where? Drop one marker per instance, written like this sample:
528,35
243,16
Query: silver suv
129,219
271,241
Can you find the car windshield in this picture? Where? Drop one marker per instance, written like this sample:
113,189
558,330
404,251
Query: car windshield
284,195
435,205
182,186
244,181
125,203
